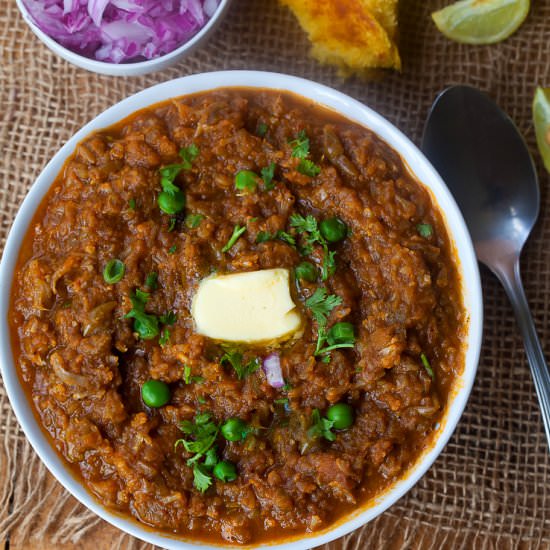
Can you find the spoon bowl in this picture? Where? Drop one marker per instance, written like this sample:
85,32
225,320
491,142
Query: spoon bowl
485,162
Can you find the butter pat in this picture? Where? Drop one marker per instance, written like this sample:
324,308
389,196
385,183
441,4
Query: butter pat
250,307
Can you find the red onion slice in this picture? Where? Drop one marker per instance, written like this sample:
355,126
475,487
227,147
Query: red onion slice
272,368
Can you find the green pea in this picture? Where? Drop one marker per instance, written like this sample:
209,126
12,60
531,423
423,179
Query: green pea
333,229
171,202
246,180
342,416
225,471
306,271
114,271
341,333
155,393
234,429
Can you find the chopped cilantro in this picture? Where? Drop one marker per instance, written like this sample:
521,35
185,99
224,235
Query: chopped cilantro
246,180
172,224
146,325
168,318
202,479
172,249
201,399
300,145
192,221
188,379
132,204
164,337
235,359
268,174
283,401
427,366
203,432
309,228
320,427
237,232
188,155
261,129
309,168
264,236
151,281
322,304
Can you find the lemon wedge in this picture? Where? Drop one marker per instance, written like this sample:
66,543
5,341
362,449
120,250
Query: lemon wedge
481,21
541,118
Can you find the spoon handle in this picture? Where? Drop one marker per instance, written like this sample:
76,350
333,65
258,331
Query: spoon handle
511,280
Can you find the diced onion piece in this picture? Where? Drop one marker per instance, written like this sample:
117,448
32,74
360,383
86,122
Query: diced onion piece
272,368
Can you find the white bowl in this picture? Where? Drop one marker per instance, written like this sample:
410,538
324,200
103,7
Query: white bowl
350,108
128,69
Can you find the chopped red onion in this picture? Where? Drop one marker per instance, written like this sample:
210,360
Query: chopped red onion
121,30
273,372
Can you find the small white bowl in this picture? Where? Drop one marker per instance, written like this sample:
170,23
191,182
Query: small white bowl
128,69
351,109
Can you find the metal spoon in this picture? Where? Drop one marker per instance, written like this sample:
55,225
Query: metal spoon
482,157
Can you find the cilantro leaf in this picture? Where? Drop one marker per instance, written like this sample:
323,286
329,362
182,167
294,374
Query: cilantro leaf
237,232
320,427
202,480
152,280
146,325
300,145
188,155
164,337
309,168
235,359
261,129
427,366
192,221
321,304
268,174
188,379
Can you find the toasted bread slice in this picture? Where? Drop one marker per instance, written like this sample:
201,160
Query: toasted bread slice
355,35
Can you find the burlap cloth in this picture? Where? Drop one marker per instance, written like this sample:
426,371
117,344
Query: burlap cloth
489,488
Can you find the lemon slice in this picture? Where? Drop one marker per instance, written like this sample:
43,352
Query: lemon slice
481,21
541,118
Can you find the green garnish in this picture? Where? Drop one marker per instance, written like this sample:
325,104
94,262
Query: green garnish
237,232
262,129
320,427
300,149
300,145
172,224
341,415
309,228
114,271
264,236
168,318
268,174
172,200
164,337
151,281
202,480
246,180
155,393
188,155
188,379
341,335
425,230
192,221
172,249
201,399
203,432
321,304
309,168
235,359
132,204
225,471
427,366
146,325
